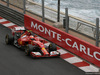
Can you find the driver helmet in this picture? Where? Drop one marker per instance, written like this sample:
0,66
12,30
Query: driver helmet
32,37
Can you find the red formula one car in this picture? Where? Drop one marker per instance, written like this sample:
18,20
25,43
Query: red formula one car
32,45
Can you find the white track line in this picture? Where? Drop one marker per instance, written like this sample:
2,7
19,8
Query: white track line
9,24
3,20
73,60
62,51
85,69
90,68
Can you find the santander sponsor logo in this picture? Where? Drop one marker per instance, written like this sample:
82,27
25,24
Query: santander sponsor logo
68,42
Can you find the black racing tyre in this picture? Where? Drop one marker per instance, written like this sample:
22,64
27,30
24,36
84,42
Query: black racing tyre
29,48
52,47
9,39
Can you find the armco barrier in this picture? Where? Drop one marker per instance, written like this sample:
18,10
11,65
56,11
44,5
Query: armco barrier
11,15
79,47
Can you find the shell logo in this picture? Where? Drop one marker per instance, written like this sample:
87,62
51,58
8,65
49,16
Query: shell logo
43,48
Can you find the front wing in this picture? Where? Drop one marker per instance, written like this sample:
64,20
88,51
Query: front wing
51,54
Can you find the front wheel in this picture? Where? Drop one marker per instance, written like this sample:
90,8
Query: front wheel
52,47
28,49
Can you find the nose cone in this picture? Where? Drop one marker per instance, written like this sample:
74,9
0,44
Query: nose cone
45,52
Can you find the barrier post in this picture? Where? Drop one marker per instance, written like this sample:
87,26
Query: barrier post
97,32
8,3
24,6
64,22
43,16
58,15
66,19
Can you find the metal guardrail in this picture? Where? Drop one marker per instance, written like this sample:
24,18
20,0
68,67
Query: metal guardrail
12,15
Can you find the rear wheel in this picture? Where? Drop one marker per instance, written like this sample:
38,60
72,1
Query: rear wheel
9,39
52,47
29,48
